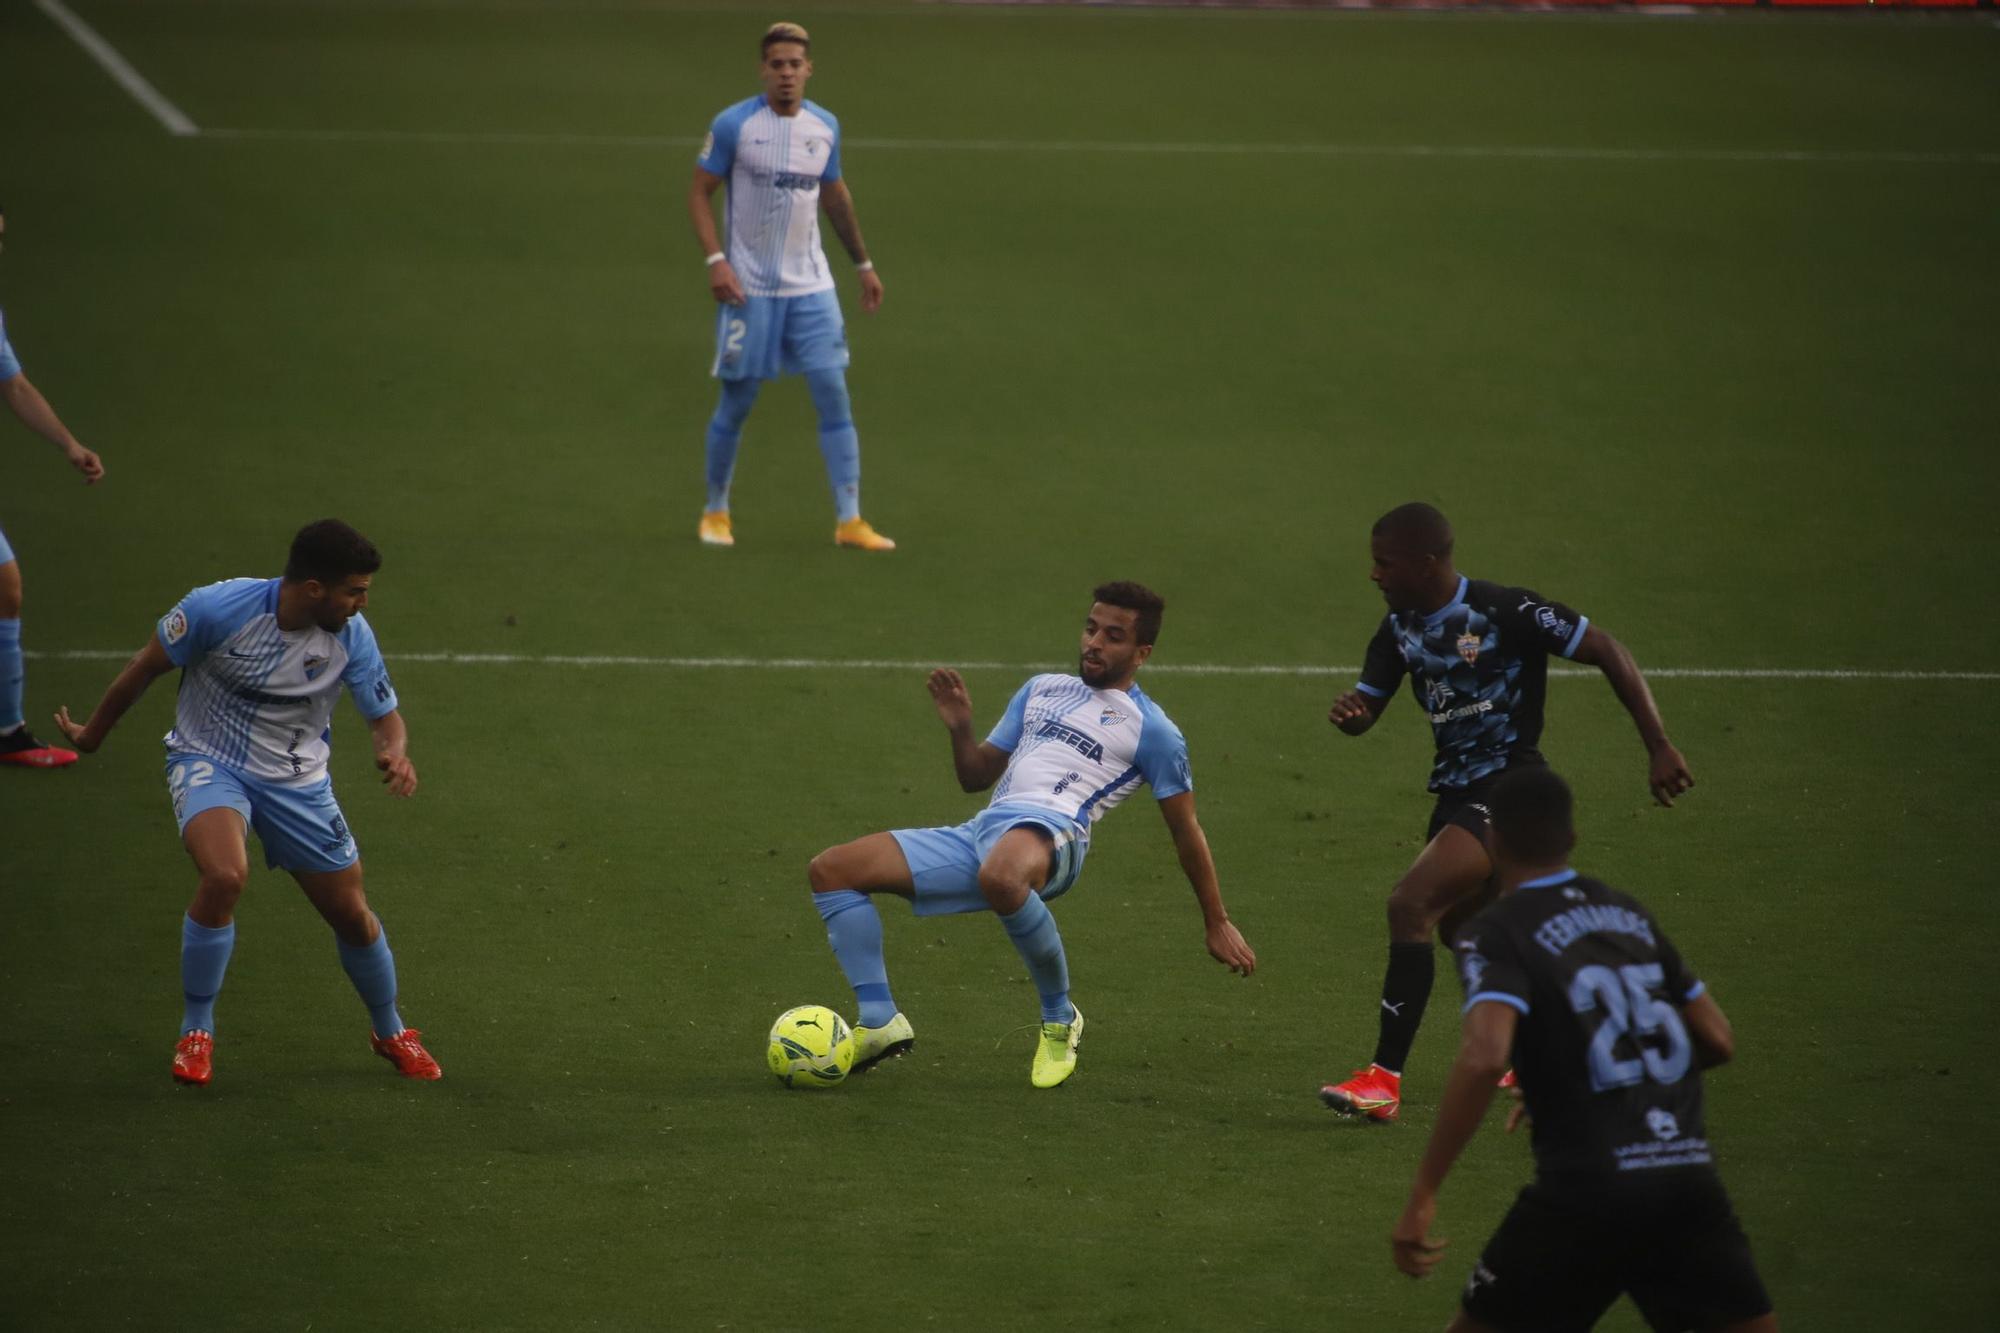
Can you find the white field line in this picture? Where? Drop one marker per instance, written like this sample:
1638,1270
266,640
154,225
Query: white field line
1471,152
1159,669
131,80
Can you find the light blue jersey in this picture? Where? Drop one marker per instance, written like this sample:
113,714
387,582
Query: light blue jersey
1079,751
258,698
10,365
774,165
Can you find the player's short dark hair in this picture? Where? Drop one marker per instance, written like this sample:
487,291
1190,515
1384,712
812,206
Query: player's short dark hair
1424,527
1134,597
328,551
1533,814
784,32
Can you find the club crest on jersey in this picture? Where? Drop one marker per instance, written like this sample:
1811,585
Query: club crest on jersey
175,625
1111,717
1468,646
314,665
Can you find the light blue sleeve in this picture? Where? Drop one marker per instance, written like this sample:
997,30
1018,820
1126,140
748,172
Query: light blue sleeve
1163,756
367,675
718,150
10,365
201,620
832,172
1006,733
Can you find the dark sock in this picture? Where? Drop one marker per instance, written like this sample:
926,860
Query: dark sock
1405,990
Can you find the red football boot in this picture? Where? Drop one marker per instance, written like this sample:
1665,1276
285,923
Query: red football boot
1507,1080
193,1055
19,746
407,1053
1373,1092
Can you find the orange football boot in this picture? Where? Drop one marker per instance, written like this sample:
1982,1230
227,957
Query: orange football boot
860,534
19,746
193,1057
1373,1092
407,1053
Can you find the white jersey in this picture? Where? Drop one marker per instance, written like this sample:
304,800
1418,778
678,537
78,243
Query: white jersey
256,697
1078,751
774,165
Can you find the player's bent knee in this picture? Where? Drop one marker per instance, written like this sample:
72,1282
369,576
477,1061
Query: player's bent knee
1003,892
1409,918
823,872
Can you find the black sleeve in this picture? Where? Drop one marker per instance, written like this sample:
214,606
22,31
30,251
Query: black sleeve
1531,617
1489,966
1383,667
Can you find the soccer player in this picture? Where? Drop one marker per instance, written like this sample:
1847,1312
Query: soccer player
1608,1031
17,744
780,155
1067,749
1477,657
262,662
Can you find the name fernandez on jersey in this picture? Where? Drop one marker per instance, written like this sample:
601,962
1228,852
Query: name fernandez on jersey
1078,751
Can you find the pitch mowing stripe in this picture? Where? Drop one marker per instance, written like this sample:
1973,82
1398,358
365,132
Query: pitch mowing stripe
1443,152
120,69
1159,669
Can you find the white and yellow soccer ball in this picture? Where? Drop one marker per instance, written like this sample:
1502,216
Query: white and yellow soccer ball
811,1047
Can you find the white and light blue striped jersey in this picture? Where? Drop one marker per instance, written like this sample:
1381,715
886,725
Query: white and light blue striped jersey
256,697
774,165
1078,751
10,365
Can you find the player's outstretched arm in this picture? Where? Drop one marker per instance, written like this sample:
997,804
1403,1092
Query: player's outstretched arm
392,743
722,283
838,202
1486,1038
1355,711
146,666
1669,775
1225,943
27,403
978,763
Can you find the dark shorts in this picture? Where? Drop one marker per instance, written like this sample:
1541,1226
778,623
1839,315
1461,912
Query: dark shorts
1564,1254
1464,807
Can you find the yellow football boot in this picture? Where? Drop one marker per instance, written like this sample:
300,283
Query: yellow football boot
873,1045
858,533
1055,1051
714,530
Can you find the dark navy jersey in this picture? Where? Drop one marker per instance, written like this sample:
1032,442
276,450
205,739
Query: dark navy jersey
1479,666
1605,1062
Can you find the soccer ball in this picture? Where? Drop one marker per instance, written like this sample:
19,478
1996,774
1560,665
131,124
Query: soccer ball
811,1047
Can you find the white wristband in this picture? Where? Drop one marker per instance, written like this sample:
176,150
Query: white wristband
715,259
865,266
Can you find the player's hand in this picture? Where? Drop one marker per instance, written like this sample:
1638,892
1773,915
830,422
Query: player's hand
1410,1243
399,775
722,284
1349,707
73,731
954,704
871,291
1517,1114
1227,946
86,462
1670,777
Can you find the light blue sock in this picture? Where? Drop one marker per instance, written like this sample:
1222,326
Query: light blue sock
839,445
725,431
1036,939
372,969
13,673
205,954
854,929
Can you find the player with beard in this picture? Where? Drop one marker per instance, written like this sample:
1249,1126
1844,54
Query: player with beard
1477,656
1067,749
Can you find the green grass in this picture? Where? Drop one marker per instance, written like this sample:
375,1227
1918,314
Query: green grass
1739,411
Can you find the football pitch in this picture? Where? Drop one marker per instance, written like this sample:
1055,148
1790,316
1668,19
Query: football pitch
1686,322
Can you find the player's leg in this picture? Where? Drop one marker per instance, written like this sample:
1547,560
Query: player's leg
839,442
725,433
841,878
213,837
1011,876
815,344
18,744
1451,867
338,896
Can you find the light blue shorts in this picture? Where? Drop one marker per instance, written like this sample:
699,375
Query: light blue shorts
6,551
301,827
769,336
944,862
